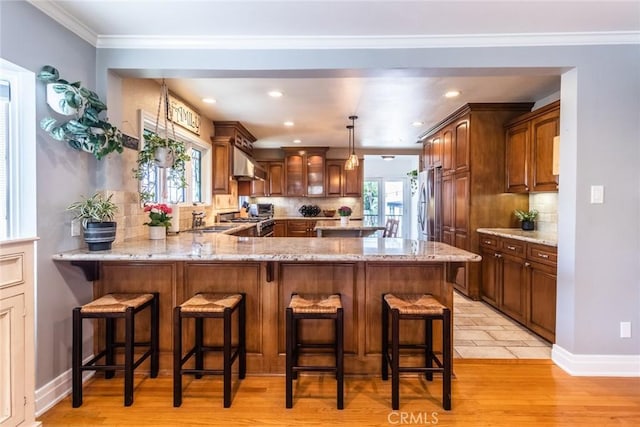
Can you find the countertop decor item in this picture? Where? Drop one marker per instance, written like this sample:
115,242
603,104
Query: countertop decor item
329,212
526,218
344,211
161,151
158,215
85,131
309,210
97,215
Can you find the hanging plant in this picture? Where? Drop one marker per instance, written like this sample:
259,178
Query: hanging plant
86,131
413,181
168,153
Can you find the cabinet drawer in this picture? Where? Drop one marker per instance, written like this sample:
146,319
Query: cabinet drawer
488,241
513,247
543,254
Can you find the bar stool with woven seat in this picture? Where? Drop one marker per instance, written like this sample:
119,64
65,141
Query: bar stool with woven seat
111,307
422,307
314,307
209,306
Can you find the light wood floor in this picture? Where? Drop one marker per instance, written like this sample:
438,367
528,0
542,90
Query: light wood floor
485,393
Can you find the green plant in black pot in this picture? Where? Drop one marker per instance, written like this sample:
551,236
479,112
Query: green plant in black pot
526,218
97,214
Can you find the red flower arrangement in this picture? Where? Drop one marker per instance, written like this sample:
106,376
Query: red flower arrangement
158,214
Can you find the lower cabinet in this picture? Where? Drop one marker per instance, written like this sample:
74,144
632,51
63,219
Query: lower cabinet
301,228
280,228
519,279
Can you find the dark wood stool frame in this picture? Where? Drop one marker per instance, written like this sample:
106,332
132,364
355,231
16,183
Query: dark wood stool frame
229,353
294,346
109,368
392,359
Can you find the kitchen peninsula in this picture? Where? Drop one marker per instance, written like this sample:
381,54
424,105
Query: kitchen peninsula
268,270
355,228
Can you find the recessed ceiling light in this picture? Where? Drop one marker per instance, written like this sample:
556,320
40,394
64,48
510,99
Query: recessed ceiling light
209,100
275,93
288,123
297,141
417,123
452,94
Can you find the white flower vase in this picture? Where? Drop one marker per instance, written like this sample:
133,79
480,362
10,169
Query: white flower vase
344,221
157,232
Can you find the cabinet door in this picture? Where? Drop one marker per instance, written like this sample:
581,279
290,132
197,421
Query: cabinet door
490,275
447,149
315,175
517,158
276,179
461,144
541,310
461,208
294,174
12,368
333,186
513,290
280,229
260,188
352,181
436,151
300,228
221,167
543,130
447,204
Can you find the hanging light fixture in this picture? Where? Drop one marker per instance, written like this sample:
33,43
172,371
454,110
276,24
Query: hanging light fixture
352,162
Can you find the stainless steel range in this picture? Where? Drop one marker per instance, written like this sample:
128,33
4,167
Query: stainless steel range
264,224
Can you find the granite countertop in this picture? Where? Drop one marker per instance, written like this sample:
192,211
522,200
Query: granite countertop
317,218
353,225
542,238
222,247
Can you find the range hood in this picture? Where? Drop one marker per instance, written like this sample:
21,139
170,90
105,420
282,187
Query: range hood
245,168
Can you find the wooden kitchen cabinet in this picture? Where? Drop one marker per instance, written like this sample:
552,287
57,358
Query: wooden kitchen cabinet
222,149
529,150
280,228
470,150
343,183
274,184
304,171
301,228
519,279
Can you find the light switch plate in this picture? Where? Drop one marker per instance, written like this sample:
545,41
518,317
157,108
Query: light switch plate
625,329
597,194
75,227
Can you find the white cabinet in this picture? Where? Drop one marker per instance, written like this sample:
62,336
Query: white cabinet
17,366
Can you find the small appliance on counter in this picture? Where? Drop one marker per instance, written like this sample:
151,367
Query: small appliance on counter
265,210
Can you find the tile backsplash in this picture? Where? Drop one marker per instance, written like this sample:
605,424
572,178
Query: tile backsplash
288,206
547,206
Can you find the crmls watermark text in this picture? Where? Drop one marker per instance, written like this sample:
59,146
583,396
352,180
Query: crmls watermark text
415,418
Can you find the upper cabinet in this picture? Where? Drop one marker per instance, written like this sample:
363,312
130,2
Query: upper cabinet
227,135
529,150
343,183
304,171
274,184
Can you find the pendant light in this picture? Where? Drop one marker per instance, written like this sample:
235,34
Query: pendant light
352,162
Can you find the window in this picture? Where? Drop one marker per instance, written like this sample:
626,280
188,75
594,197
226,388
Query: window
17,152
154,177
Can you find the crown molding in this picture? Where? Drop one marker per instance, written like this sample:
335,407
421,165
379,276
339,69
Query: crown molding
62,17
368,42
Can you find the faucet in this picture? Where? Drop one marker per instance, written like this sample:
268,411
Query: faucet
197,219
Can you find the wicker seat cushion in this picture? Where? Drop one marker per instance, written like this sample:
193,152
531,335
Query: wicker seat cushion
210,303
315,303
116,303
415,304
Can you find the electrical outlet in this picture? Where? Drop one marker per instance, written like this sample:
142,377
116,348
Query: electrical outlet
597,194
625,329
75,227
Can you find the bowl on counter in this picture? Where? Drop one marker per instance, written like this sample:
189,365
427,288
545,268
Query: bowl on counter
329,212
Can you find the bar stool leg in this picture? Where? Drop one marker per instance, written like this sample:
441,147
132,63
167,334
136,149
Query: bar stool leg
227,358
242,338
289,358
109,339
198,345
76,373
447,360
428,351
385,340
128,356
155,336
340,357
177,357
395,359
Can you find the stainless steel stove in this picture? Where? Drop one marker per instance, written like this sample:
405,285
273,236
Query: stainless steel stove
264,224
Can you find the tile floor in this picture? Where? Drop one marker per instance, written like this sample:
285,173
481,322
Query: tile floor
481,332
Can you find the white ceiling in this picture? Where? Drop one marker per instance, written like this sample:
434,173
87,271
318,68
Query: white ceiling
387,101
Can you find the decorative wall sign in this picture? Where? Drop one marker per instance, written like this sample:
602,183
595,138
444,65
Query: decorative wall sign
182,115
130,142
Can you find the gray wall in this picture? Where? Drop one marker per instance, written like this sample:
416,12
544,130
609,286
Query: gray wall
31,39
599,247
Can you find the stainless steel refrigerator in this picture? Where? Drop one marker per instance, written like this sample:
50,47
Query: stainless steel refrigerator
430,205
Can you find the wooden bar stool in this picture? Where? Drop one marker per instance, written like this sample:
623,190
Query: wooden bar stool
422,307
314,307
209,306
111,307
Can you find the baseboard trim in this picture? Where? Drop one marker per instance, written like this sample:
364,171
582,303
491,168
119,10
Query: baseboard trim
57,389
596,365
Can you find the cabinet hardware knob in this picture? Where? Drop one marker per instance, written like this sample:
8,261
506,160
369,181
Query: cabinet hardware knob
488,242
543,255
527,264
511,248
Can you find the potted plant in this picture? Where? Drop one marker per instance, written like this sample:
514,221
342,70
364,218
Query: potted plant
413,180
97,215
527,218
345,213
161,152
86,130
159,220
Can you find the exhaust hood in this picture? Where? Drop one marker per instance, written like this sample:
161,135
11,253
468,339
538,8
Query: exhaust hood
245,168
